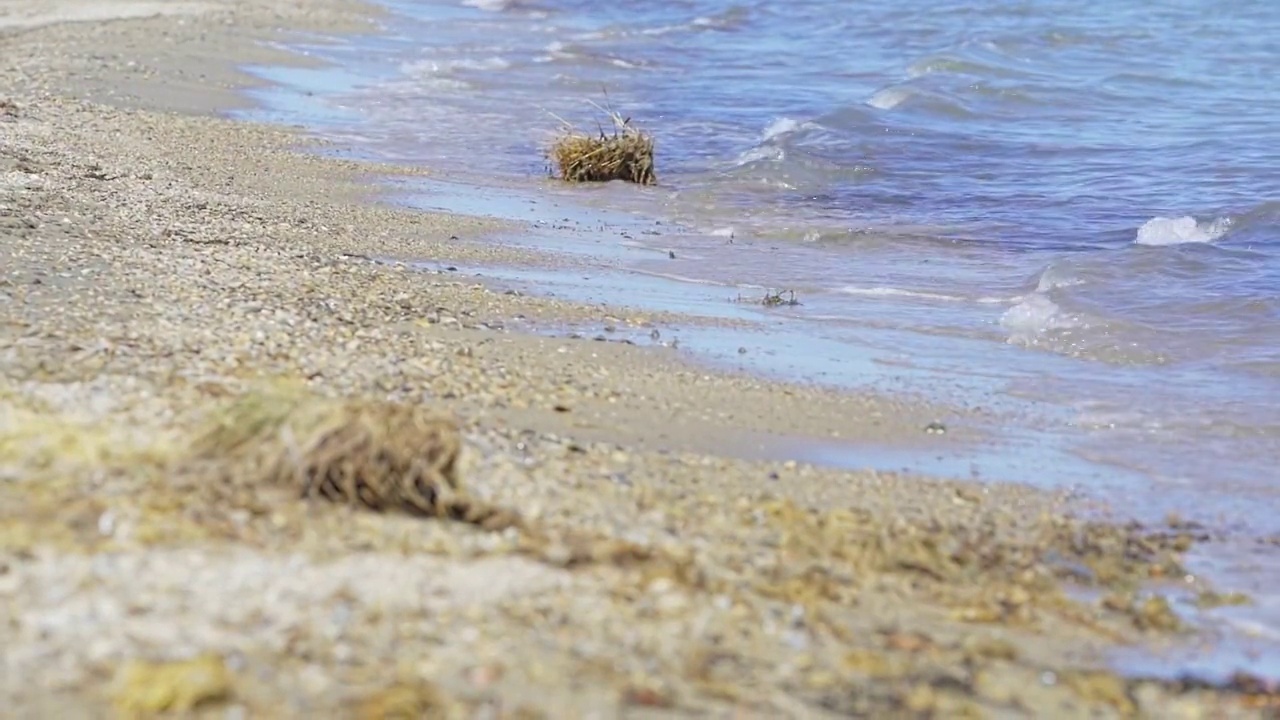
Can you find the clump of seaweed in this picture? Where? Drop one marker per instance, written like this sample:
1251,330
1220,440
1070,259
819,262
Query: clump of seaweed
779,298
773,298
380,455
625,154
383,456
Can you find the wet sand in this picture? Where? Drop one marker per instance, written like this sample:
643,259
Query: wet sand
644,547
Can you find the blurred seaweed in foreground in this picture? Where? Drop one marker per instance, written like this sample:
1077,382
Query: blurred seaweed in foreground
380,455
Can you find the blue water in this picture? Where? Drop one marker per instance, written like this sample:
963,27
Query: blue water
959,151
1077,204
1097,182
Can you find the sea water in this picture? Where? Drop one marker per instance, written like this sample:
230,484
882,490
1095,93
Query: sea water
1075,203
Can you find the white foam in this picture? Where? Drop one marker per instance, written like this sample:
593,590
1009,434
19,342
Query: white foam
490,5
684,278
763,152
881,291
1177,231
1108,420
1053,278
448,67
666,29
441,83
767,149
1036,314
889,98
779,127
557,50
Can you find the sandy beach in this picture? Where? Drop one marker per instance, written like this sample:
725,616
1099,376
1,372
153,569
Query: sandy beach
633,538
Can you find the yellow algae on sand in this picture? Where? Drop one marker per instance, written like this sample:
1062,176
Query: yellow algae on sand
146,687
35,441
407,702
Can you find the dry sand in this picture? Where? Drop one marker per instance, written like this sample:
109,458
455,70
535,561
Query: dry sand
157,264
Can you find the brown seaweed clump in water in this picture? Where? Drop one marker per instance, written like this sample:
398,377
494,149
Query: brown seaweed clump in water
380,455
627,154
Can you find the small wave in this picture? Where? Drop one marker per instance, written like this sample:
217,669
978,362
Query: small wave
676,277
726,21
951,65
759,153
732,18
778,128
660,30
1177,231
560,51
890,98
944,104
1108,419
769,147
491,5
783,127
430,82
1053,278
448,67
1034,316
881,291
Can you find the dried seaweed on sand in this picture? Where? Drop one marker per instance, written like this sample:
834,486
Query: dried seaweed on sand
378,455
625,154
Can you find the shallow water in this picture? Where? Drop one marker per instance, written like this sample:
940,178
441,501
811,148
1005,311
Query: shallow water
1072,207
1099,183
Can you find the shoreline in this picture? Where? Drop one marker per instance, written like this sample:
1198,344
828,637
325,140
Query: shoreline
159,264
967,324
573,258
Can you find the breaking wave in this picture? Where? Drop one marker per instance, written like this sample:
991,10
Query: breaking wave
1177,231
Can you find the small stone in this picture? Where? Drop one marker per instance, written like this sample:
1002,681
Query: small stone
821,679
647,695
921,699
483,676
991,648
